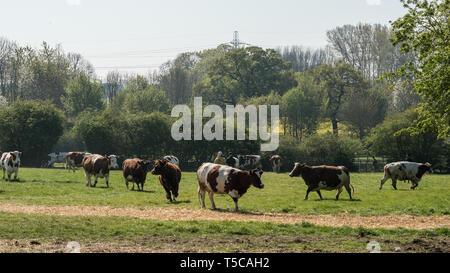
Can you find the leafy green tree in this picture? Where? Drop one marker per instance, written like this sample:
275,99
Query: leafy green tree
339,80
301,106
81,94
425,30
244,73
148,100
365,108
390,140
32,127
102,132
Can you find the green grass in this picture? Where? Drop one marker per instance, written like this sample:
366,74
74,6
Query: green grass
220,236
281,194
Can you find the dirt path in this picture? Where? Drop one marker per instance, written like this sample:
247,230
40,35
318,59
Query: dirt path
180,214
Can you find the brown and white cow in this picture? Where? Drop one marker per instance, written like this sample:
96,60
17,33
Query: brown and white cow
169,176
275,161
323,178
98,166
135,171
75,159
10,162
405,170
222,179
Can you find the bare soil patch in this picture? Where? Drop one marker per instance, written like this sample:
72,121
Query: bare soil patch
181,214
234,243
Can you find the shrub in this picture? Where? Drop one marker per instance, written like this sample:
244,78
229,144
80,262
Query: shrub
32,127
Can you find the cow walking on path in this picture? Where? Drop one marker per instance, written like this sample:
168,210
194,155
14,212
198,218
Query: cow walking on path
221,179
405,170
323,178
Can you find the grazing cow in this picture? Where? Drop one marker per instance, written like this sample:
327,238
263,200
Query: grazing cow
222,179
10,162
246,162
74,159
98,166
135,170
405,170
169,176
323,178
52,158
172,159
275,161
220,159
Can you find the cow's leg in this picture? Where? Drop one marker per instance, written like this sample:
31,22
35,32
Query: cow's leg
394,183
142,186
347,187
95,180
88,179
107,180
201,196
174,189
166,187
211,198
16,174
235,204
339,192
415,183
320,195
9,177
3,172
307,193
383,180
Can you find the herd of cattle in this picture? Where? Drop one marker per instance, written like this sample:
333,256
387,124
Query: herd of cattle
233,175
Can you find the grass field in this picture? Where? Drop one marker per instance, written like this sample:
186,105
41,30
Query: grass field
280,194
56,187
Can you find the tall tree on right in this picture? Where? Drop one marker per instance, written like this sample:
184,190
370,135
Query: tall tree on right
425,30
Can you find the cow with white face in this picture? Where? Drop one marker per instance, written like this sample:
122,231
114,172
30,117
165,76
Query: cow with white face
10,163
222,179
98,166
405,170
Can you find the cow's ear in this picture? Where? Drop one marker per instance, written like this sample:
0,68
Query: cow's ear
20,154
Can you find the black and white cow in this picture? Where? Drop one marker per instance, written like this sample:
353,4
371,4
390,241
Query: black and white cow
10,163
244,162
405,170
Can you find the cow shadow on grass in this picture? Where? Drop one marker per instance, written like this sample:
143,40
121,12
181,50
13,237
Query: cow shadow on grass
334,199
15,181
244,212
179,202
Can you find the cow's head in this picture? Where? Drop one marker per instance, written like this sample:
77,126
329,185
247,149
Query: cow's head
297,170
112,161
158,166
144,164
425,168
232,161
16,156
256,175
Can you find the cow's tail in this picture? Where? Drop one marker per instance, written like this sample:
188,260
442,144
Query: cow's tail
353,189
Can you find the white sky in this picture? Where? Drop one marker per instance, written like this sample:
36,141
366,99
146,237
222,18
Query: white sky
140,35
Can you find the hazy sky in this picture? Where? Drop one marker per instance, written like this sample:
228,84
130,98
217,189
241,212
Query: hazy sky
139,35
